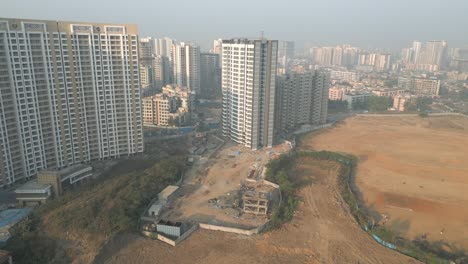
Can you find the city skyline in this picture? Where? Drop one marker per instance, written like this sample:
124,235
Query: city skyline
387,24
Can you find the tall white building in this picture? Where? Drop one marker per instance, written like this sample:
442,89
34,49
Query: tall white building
248,87
69,94
186,60
163,47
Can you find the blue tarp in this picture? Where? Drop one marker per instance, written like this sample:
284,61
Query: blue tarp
12,216
185,129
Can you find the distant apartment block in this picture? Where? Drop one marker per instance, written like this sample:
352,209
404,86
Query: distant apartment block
285,55
344,76
186,66
210,75
146,76
174,103
355,98
301,99
400,101
146,49
378,61
420,86
248,85
70,93
336,93
391,93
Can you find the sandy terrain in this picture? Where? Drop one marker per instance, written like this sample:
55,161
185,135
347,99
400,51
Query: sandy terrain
414,170
220,177
322,231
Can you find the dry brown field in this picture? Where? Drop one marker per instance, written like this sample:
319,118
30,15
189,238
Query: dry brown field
412,170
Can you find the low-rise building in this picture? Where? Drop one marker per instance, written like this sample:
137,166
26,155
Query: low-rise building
64,178
33,193
356,98
391,93
50,183
336,93
346,76
399,102
8,219
171,107
420,86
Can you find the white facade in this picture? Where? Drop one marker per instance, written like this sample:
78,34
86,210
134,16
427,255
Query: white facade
248,87
344,76
69,94
186,60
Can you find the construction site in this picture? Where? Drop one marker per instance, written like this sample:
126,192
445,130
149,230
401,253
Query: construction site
228,190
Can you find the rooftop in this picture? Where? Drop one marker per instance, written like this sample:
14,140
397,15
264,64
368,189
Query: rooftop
10,217
33,186
69,170
164,194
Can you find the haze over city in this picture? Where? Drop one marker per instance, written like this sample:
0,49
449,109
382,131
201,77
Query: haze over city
242,131
390,24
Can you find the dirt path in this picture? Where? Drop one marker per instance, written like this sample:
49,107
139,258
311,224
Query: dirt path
322,231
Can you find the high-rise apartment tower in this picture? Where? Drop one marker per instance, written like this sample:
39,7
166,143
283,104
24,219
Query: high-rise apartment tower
69,94
248,87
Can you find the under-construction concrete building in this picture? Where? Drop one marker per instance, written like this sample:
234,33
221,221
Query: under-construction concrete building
255,203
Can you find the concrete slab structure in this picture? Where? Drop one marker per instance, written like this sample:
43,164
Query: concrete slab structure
255,203
33,193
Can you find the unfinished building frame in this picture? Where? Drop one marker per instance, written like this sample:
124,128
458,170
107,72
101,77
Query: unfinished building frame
255,203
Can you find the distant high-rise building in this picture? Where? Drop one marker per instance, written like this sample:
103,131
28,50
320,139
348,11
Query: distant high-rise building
337,56
186,66
217,46
301,99
285,55
210,75
162,75
163,47
435,53
350,56
431,57
146,50
70,93
382,62
146,76
415,51
248,85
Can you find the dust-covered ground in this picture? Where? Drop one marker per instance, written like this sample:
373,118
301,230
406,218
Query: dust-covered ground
412,170
322,231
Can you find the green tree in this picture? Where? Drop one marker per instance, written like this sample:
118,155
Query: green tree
378,103
337,106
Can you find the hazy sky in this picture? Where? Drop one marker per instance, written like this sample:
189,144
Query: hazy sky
366,23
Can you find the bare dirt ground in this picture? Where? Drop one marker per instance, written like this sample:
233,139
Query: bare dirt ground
411,169
322,231
220,177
